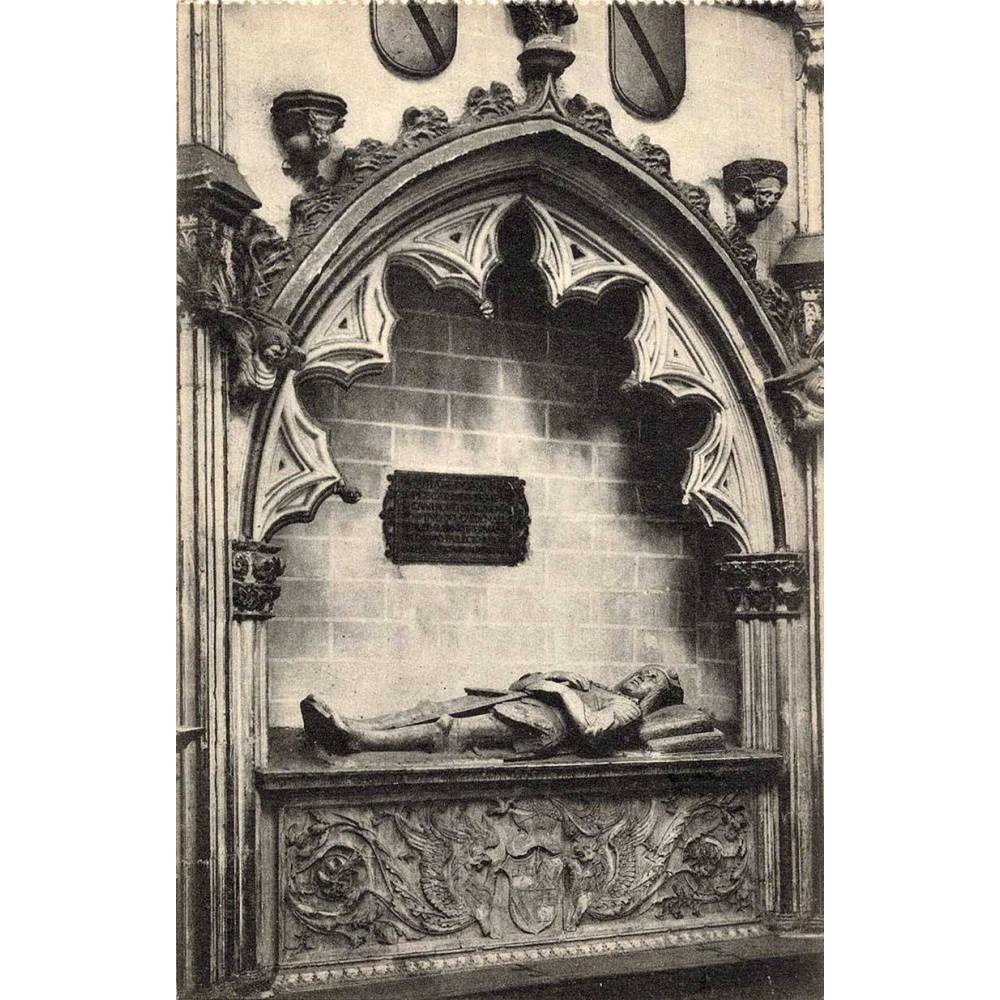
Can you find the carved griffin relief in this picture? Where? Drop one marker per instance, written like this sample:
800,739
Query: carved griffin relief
358,876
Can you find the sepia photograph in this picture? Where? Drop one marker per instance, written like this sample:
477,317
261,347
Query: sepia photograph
500,571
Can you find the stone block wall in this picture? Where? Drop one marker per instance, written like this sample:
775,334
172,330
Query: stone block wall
613,574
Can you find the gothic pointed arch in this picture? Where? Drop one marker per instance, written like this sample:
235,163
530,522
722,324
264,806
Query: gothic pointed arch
600,217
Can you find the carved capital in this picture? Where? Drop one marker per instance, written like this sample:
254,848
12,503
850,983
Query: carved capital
809,44
255,570
209,184
304,123
770,585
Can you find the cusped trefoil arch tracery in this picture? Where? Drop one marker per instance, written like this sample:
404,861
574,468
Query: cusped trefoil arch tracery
352,336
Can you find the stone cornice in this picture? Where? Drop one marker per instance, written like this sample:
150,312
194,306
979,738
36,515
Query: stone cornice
210,182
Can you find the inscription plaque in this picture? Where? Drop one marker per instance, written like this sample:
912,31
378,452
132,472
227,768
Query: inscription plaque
445,517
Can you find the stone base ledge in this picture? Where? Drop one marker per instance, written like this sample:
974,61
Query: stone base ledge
295,768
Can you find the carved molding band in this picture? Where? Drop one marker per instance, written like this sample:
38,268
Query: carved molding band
493,957
367,878
771,585
255,570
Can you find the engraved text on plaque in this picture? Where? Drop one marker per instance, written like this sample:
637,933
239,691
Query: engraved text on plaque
438,517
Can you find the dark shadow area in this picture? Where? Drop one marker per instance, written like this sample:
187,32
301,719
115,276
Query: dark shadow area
799,978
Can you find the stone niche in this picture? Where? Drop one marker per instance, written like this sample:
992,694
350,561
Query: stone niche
388,866
618,572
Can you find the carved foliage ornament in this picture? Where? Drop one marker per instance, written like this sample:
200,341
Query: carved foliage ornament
535,18
360,163
255,570
771,585
363,877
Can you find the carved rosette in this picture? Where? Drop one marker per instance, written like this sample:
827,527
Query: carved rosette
765,586
370,878
255,568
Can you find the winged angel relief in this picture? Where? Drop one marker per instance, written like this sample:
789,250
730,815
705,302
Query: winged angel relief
360,877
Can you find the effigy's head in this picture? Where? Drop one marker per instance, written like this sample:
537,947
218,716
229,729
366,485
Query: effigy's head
653,687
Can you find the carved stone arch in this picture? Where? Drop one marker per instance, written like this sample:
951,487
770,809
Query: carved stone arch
439,211
352,336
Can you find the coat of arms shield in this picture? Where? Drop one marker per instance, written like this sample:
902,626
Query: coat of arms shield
535,889
414,38
647,56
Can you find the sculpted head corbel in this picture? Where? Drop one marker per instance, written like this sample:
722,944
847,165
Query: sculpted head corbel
304,123
262,349
754,188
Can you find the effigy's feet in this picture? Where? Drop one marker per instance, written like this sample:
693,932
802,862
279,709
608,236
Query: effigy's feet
326,729
442,740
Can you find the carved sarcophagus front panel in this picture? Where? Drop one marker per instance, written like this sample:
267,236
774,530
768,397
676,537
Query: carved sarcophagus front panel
391,881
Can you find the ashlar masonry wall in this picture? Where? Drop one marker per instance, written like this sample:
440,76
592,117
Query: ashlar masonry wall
614,571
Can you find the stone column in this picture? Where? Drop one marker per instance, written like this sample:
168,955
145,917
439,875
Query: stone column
200,75
213,203
256,568
768,595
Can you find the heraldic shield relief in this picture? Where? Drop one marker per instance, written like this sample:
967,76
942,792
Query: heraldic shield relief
416,39
357,877
647,56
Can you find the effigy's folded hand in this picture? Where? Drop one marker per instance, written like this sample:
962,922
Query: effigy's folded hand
577,681
541,684
524,683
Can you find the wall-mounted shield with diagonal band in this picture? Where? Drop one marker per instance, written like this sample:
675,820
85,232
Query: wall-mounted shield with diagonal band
647,56
416,39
